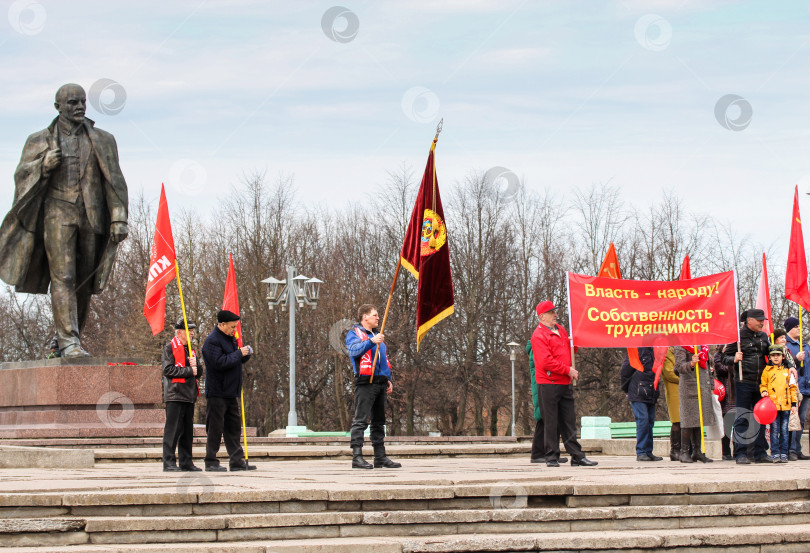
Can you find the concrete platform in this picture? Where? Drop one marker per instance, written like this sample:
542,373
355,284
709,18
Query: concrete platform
431,504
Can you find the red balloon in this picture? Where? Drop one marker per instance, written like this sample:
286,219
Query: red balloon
719,389
765,411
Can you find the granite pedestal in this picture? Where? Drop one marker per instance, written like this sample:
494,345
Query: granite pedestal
90,397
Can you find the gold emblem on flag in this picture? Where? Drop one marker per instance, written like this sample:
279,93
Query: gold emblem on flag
434,234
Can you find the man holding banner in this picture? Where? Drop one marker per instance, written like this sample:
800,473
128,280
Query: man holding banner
553,372
753,347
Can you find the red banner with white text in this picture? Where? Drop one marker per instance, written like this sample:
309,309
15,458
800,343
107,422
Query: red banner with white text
612,313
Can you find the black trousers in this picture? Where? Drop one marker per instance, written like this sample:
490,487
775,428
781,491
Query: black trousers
539,440
223,420
178,433
559,420
369,405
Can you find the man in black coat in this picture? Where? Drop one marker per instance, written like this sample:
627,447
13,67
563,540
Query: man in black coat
180,391
223,382
749,435
638,381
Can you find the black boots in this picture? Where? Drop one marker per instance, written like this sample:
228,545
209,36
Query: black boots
697,454
686,442
357,459
381,461
675,442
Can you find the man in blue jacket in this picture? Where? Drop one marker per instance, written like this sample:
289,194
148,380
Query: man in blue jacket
802,359
372,384
223,382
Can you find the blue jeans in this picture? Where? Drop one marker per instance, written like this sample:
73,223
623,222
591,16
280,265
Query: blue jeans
750,442
779,433
796,436
645,419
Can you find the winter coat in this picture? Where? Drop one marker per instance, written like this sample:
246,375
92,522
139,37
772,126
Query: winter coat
802,368
535,398
670,379
687,390
640,386
754,346
776,381
223,362
179,383
552,355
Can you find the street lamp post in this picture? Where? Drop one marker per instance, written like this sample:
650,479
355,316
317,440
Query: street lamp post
513,357
300,290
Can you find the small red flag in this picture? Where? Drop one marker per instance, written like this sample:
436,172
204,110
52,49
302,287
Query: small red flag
426,254
161,268
764,298
796,274
610,265
686,270
231,300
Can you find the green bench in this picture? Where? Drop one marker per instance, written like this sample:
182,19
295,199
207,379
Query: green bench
661,429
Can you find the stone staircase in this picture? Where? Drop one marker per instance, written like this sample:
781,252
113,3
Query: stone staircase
662,508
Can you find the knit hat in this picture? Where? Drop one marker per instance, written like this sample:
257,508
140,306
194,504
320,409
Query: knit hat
791,323
226,316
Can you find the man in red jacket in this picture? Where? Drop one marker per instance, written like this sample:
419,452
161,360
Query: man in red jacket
553,372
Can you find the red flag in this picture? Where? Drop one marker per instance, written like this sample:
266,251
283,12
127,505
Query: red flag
161,268
686,270
610,265
426,254
231,300
610,269
764,298
796,274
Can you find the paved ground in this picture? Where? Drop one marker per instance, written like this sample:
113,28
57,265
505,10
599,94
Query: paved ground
318,475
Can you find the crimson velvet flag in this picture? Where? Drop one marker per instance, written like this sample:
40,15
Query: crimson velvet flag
161,268
796,274
426,254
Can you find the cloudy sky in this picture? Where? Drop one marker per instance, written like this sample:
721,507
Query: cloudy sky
709,99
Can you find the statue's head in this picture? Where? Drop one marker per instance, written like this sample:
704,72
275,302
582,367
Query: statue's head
71,102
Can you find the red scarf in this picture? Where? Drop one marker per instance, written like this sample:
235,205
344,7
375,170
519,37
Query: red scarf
179,352
703,354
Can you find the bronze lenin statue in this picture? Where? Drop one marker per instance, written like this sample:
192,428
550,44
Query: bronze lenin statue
68,217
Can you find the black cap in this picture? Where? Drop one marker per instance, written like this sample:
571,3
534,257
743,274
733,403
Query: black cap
226,316
757,314
180,325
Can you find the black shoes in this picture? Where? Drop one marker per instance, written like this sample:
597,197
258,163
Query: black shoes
242,467
552,464
381,461
728,457
648,457
171,468
792,456
764,459
216,468
583,462
357,459
802,457
191,468
561,460
743,461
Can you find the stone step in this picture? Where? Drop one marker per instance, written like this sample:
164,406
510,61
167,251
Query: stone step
793,538
282,526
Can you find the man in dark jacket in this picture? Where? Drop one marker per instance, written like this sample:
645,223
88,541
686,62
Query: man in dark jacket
638,381
180,391
754,346
223,382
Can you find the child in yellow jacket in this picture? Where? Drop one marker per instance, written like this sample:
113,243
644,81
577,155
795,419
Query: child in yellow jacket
778,384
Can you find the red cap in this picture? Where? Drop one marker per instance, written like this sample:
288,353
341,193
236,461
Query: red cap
545,307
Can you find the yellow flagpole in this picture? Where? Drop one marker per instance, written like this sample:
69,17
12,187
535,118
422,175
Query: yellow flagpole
700,404
242,402
183,307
